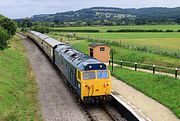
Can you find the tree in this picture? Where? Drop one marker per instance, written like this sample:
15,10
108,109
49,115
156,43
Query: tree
8,25
27,23
4,37
41,29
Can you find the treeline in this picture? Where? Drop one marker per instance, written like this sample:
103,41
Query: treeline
7,30
141,30
27,24
42,29
64,30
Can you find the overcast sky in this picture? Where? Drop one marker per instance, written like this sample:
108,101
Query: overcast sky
28,8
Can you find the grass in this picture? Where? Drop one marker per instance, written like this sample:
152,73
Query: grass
165,43
161,88
18,88
105,28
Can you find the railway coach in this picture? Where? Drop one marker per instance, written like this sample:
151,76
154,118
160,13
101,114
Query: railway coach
89,78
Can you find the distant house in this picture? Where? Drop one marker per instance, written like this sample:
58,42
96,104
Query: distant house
99,51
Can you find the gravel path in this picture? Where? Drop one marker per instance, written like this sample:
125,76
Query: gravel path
57,102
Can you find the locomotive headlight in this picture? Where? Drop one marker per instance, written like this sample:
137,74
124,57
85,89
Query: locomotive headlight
100,66
90,66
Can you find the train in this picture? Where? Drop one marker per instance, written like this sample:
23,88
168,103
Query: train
88,77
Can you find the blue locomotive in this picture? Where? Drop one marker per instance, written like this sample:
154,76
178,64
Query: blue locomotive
88,77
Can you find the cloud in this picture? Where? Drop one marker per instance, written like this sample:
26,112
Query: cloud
27,8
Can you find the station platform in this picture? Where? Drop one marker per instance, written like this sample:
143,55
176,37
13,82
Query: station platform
144,107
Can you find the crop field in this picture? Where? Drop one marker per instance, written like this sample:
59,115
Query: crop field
127,54
105,28
158,42
18,89
131,55
165,42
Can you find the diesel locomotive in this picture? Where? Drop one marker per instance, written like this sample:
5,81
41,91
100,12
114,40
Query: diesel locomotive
89,78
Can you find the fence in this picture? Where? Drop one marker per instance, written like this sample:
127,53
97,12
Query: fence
146,67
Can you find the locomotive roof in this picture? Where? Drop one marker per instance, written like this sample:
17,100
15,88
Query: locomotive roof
80,60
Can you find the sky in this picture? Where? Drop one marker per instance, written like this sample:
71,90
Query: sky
27,8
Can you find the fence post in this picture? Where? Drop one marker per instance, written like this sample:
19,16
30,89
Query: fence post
154,68
176,72
135,66
109,62
121,63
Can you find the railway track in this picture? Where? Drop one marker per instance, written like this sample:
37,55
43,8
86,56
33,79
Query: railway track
102,112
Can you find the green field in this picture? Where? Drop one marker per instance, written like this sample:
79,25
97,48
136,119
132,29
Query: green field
161,88
166,43
105,28
153,42
18,88
131,55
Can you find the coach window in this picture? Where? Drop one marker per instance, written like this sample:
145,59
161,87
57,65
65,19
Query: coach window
102,48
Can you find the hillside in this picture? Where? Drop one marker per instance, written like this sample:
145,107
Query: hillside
155,14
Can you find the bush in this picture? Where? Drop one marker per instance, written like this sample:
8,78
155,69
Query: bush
4,37
135,30
41,29
8,25
169,30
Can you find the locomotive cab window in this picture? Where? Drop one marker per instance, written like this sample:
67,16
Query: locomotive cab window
102,48
89,75
102,74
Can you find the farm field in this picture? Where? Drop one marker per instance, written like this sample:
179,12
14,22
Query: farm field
18,89
155,42
105,28
132,55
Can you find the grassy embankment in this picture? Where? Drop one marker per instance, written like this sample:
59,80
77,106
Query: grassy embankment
161,88
18,88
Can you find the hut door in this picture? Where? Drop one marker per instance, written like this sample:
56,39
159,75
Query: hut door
91,52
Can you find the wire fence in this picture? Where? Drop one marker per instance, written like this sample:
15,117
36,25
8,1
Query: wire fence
147,67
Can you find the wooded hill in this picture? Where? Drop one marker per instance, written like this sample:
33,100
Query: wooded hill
117,16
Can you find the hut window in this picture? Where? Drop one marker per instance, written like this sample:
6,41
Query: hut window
102,48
